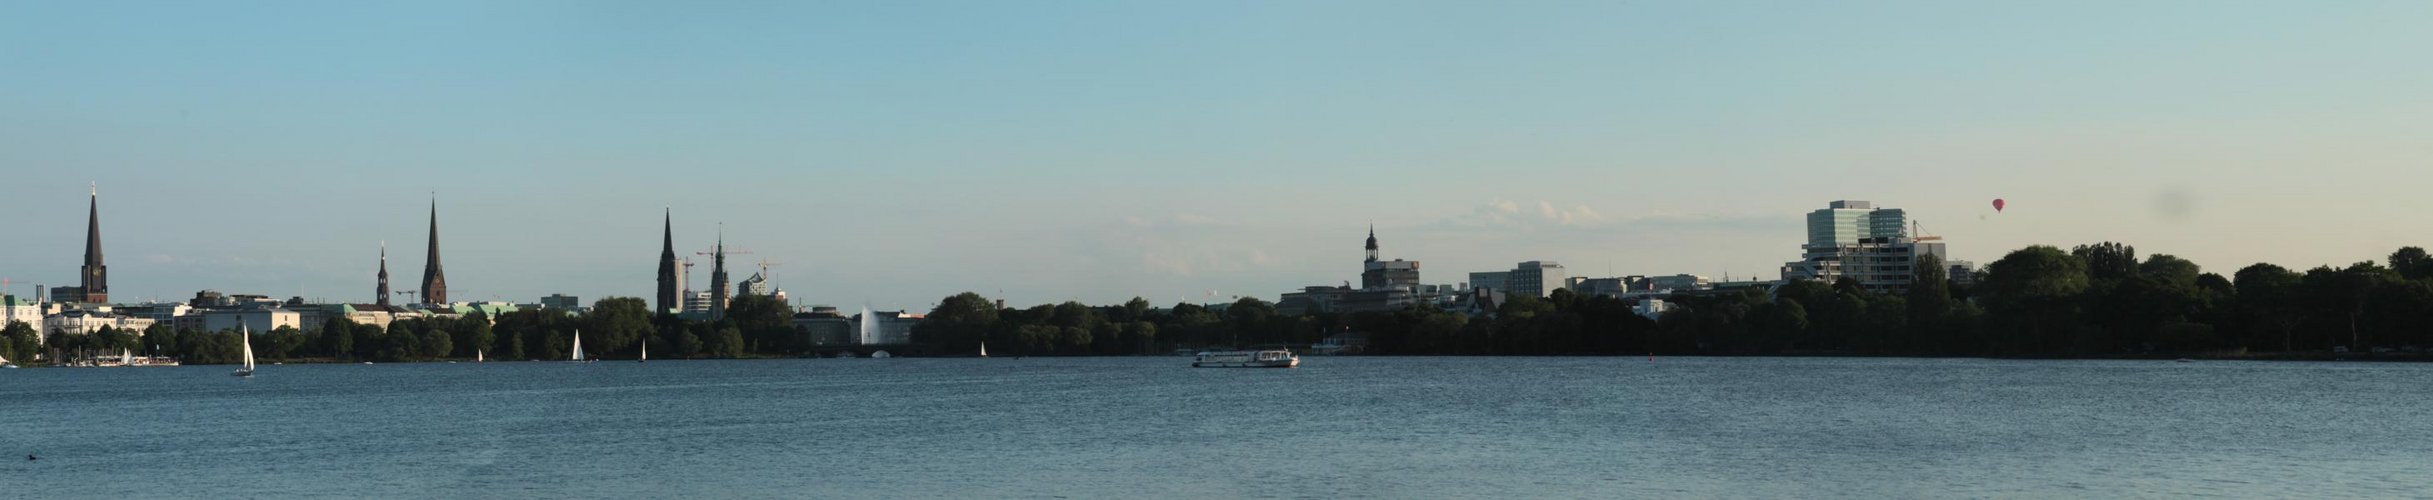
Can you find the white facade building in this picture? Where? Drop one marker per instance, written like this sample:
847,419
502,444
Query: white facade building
258,320
14,309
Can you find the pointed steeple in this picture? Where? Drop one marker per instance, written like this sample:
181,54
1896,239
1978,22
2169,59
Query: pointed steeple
668,300
434,280
718,276
383,298
1372,243
96,276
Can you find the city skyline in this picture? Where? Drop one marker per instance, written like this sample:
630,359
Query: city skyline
893,154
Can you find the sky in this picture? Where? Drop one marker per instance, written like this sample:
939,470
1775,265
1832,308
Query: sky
891,153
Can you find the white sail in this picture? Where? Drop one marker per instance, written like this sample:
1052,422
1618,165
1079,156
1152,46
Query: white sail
126,358
578,345
248,338
477,356
645,350
983,348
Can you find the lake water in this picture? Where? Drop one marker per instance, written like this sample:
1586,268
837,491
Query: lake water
1152,427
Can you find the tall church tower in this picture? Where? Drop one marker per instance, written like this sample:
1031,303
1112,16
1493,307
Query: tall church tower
96,277
718,278
383,299
1372,243
668,300
434,282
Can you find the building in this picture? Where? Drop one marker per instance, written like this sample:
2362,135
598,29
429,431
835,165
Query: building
669,280
381,296
87,321
561,301
697,305
826,327
1384,286
718,280
1856,240
1679,282
1496,280
755,285
1535,278
257,320
15,309
1599,287
434,280
94,279
885,327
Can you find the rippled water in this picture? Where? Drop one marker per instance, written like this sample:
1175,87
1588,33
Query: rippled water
1134,427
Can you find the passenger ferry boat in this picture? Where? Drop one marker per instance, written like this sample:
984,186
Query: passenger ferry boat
1246,359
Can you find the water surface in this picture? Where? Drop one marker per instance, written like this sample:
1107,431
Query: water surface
1134,427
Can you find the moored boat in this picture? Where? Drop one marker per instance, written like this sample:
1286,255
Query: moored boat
1246,359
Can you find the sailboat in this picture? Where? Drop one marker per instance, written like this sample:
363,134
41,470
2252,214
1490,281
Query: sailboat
983,348
247,335
5,364
645,352
578,345
126,357
477,356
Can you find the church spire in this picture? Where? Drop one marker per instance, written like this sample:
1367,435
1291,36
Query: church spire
668,300
383,297
718,276
1372,243
434,281
96,276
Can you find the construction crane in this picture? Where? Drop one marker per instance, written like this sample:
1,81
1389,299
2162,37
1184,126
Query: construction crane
765,264
1918,232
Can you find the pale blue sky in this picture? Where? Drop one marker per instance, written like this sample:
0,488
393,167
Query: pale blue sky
896,152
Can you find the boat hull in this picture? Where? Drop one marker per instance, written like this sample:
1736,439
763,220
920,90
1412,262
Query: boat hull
1247,359
1247,364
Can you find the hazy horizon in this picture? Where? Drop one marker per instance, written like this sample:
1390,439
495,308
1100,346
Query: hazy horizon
892,153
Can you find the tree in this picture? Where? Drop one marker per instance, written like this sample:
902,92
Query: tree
338,337
615,323
1929,299
2267,296
2107,261
2412,263
20,341
437,344
958,323
2034,290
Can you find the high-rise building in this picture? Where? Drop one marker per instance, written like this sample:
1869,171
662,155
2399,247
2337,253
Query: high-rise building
562,302
383,299
718,279
1535,278
434,281
94,279
669,302
1495,280
1856,240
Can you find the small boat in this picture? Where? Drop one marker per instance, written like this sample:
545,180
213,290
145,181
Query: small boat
246,336
5,364
983,348
881,355
645,352
477,356
578,346
2186,360
1246,359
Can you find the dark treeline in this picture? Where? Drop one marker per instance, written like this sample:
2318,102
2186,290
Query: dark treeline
2100,300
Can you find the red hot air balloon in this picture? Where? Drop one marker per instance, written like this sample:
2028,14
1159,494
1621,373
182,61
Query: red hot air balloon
1998,204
